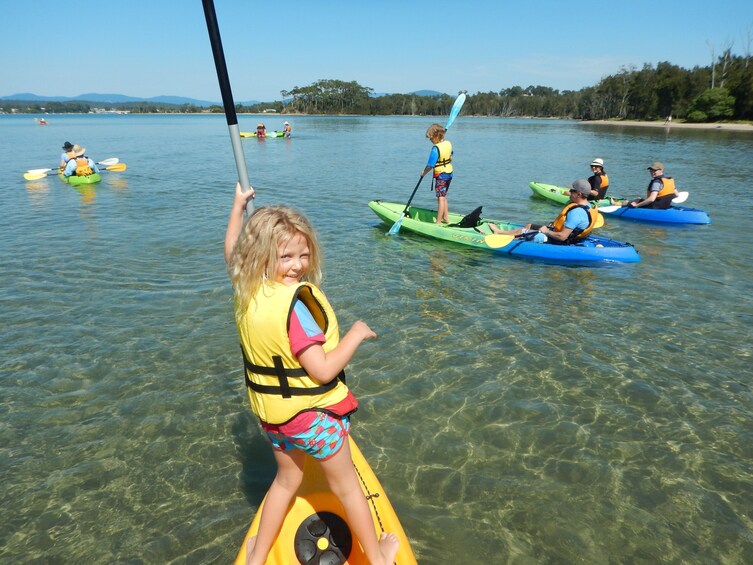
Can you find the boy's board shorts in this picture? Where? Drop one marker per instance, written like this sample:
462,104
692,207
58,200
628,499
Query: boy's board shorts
442,184
322,440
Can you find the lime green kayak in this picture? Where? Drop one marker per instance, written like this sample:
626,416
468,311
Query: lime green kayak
269,134
75,180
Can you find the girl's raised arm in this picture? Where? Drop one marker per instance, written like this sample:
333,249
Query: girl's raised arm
235,222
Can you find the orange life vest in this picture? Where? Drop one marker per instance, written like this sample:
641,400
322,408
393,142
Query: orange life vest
668,187
82,167
576,234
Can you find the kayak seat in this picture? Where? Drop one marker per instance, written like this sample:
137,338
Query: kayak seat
469,220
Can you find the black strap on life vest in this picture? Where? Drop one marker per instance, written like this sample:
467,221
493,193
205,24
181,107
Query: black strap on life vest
442,162
283,374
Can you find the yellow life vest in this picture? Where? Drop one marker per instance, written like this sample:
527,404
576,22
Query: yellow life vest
278,387
82,167
668,187
444,161
604,180
559,222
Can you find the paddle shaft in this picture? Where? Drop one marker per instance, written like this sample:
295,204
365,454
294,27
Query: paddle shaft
227,98
413,194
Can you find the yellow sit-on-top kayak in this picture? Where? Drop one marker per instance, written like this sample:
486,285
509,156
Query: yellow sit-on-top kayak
315,530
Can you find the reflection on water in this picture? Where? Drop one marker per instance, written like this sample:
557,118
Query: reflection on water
515,412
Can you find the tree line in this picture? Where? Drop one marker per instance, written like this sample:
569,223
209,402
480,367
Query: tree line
721,91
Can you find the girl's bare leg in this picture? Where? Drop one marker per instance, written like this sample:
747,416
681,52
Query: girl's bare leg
280,494
342,480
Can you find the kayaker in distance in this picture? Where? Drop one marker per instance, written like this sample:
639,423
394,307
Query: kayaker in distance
659,193
80,165
599,181
261,131
296,383
440,161
286,129
575,221
66,155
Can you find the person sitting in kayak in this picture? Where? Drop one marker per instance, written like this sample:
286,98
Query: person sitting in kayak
659,193
575,221
66,155
80,165
599,181
261,131
286,129
440,161
294,360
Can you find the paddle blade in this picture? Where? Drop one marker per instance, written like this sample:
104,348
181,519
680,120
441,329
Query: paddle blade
497,240
680,198
599,221
396,226
119,168
108,162
37,171
459,101
609,209
34,176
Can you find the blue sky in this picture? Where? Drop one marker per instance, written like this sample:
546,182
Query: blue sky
150,48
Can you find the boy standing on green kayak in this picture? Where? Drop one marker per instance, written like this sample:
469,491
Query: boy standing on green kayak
440,161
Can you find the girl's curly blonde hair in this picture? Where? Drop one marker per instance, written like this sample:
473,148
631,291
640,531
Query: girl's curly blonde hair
256,252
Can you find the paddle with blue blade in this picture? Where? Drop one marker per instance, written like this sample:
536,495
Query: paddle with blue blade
459,101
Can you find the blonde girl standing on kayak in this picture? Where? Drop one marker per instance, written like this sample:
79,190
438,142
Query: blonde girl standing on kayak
294,361
440,161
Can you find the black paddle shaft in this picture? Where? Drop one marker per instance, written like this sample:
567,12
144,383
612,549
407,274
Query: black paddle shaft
219,62
227,98
413,194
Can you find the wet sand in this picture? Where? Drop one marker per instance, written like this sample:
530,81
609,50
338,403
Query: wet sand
673,125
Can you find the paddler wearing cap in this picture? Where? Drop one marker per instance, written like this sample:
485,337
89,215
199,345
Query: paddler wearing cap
80,165
659,193
261,131
66,155
286,129
599,181
574,222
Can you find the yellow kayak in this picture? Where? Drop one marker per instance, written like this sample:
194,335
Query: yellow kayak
315,529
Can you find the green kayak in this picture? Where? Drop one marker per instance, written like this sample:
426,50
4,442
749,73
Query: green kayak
75,181
269,134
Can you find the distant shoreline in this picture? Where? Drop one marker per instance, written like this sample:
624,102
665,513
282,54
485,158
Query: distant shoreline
674,125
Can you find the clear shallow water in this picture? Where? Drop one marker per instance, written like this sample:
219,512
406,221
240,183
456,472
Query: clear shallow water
515,412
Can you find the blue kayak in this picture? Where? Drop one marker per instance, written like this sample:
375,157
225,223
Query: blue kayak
671,215
593,250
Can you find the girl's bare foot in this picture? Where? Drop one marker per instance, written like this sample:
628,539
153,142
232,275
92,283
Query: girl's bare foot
388,545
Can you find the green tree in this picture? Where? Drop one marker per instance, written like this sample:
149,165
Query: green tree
712,105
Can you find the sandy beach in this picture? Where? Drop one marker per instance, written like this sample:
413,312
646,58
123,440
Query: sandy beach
674,125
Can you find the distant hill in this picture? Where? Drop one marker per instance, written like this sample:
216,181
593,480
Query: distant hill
98,98
417,93
113,99
427,93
